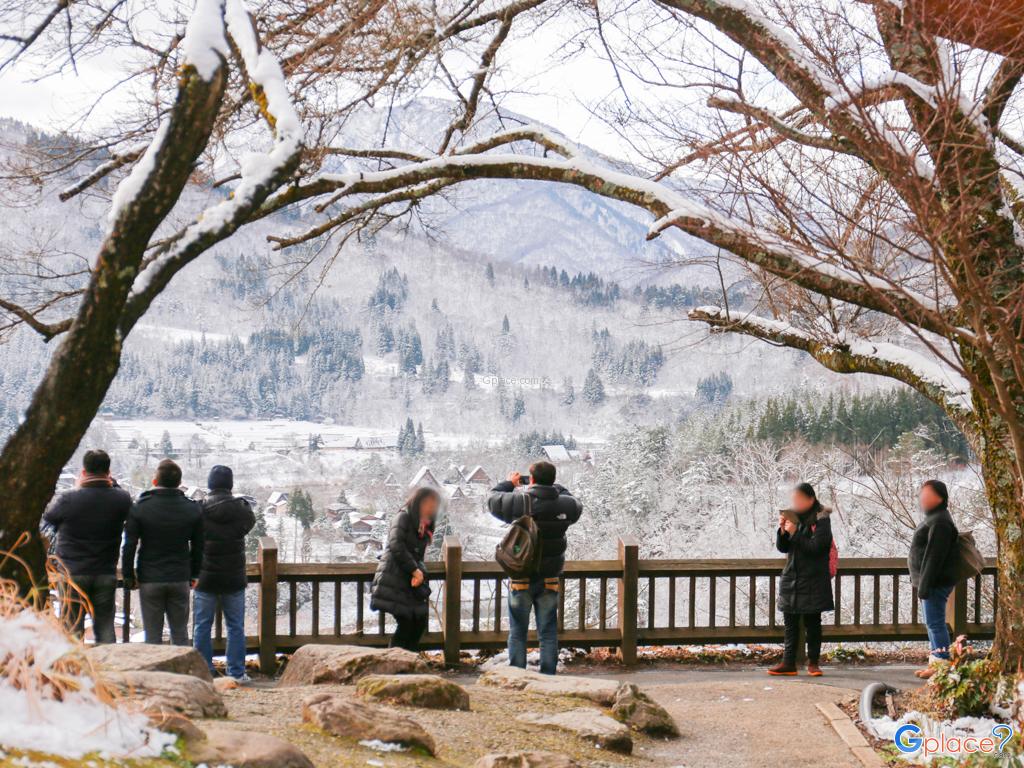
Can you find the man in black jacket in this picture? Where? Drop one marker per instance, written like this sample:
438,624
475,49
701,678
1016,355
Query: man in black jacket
933,563
170,530
88,523
226,521
553,509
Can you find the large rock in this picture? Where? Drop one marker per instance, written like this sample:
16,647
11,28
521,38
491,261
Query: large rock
345,664
244,749
526,760
427,691
593,689
639,711
596,728
363,721
141,657
165,692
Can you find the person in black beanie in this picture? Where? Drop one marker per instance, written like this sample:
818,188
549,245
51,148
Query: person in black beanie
933,561
226,521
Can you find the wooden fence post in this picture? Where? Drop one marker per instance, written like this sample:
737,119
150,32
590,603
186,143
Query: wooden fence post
956,610
267,629
629,557
451,626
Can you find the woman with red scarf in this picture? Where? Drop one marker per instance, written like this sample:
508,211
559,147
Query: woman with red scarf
400,585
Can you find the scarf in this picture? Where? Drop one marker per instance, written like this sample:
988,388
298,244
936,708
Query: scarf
87,480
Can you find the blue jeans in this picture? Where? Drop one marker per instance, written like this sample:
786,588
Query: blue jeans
204,610
935,620
521,603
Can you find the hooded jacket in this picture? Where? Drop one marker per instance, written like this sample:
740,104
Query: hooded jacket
553,508
169,529
933,552
226,521
805,585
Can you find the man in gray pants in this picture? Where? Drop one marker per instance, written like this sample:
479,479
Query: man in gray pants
167,530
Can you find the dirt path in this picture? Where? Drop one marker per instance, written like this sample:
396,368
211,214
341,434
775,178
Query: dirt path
728,717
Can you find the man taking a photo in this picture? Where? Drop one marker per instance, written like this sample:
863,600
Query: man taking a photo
553,509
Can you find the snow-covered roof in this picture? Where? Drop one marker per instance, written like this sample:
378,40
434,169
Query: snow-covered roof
556,453
391,480
277,497
424,477
453,491
477,475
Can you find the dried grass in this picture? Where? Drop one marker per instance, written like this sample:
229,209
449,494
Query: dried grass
73,670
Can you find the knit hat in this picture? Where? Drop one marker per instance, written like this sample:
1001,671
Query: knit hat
221,478
940,489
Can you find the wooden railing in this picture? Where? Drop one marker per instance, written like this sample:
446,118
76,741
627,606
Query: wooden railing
623,603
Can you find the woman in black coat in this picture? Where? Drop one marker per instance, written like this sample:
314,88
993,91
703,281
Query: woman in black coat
399,586
805,589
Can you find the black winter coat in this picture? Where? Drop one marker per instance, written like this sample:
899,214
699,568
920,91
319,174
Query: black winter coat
392,591
170,530
553,508
226,521
805,585
89,522
933,552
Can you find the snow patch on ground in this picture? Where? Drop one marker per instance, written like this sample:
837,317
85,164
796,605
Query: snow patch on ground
73,726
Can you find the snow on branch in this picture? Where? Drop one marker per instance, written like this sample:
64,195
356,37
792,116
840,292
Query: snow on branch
843,354
205,50
759,247
260,173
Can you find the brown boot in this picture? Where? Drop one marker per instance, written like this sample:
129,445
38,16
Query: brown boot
813,669
787,669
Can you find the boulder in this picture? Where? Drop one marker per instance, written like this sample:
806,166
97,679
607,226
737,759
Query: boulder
427,691
165,692
179,725
142,657
593,689
637,710
244,749
363,721
345,664
600,730
526,760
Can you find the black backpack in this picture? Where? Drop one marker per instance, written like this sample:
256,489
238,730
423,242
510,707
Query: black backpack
519,551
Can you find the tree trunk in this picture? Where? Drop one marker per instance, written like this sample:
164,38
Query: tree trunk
72,390
62,408
1006,500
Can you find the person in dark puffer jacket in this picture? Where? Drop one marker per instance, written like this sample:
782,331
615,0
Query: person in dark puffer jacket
933,562
226,521
400,584
553,509
805,588
88,522
170,530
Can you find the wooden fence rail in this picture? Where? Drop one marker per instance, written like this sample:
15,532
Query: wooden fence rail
623,603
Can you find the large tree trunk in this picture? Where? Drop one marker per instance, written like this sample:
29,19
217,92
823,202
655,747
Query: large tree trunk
62,408
1006,499
84,365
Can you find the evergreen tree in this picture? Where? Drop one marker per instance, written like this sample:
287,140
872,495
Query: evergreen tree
518,408
489,274
568,391
419,443
593,388
505,327
165,446
300,506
